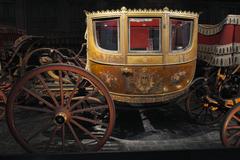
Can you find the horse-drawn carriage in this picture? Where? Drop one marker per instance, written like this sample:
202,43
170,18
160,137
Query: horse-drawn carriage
217,90
64,102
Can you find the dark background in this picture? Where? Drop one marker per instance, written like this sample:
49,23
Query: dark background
66,18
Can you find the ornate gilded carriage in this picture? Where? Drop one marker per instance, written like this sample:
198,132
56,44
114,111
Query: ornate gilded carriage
133,56
143,56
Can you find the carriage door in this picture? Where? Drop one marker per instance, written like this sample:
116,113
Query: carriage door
144,56
180,58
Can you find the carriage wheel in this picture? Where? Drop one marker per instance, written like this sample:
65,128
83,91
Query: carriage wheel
3,100
45,115
230,133
200,107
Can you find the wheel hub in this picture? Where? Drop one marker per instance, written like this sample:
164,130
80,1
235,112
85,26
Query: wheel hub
61,118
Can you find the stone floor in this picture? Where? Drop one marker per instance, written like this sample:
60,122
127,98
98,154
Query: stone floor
164,128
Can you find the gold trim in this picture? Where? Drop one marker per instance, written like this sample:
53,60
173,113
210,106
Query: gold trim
123,55
190,43
150,95
124,10
107,51
146,98
119,64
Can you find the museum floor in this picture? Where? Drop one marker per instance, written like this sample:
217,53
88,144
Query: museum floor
164,128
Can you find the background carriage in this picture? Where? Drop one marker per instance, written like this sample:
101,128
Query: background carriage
216,93
64,102
8,36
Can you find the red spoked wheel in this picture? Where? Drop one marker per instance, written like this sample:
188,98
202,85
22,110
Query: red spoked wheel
230,133
3,100
74,114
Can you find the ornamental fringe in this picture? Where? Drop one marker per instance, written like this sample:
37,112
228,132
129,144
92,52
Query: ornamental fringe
220,55
214,29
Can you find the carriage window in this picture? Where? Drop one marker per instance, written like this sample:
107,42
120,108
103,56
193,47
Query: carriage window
144,34
180,34
107,33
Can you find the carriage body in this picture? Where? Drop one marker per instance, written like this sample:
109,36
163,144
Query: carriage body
142,56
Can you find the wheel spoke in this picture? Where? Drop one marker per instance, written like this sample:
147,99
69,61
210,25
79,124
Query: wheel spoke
75,137
73,92
194,99
83,99
84,130
61,88
29,108
199,113
42,129
196,108
54,131
68,79
48,90
236,118
89,98
234,135
90,120
233,127
63,137
39,98
83,83
89,109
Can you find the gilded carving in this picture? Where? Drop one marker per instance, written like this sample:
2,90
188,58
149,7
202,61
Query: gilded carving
145,81
134,11
178,77
108,78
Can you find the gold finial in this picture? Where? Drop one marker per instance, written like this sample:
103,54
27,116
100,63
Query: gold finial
166,9
123,8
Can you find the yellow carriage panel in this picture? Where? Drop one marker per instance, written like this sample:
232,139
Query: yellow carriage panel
143,56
